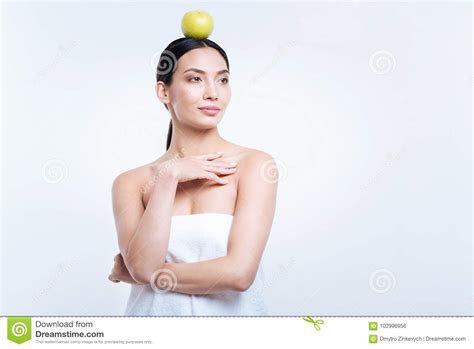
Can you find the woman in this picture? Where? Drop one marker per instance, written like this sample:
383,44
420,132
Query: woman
193,224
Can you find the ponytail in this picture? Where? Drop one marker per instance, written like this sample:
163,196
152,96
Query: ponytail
170,133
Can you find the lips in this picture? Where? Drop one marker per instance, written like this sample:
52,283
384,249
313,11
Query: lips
210,111
209,107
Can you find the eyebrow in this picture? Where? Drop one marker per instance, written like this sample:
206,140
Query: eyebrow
203,72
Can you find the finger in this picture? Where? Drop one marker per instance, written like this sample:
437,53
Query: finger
216,166
209,156
210,165
222,163
213,177
220,170
226,159
112,279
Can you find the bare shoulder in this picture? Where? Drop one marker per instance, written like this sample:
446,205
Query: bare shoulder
256,162
257,185
134,178
250,157
246,155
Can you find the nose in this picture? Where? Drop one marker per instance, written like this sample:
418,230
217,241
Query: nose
210,91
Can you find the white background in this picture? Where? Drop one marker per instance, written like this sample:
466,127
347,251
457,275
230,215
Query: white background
366,107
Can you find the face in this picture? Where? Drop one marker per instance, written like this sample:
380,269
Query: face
200,79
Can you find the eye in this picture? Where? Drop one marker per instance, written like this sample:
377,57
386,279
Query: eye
194,77
226,80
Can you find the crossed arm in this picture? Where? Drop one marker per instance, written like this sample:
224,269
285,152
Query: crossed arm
251,225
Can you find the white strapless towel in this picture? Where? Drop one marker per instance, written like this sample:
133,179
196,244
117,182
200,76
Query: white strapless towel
193,238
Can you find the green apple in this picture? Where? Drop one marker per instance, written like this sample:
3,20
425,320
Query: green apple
197,24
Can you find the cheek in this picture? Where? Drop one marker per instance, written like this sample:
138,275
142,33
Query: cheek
190,95
225,94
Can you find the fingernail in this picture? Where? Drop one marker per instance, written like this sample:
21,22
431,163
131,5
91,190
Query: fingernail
220,153
225,181
234,163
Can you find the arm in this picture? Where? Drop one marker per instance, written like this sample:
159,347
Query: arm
143,234
254,212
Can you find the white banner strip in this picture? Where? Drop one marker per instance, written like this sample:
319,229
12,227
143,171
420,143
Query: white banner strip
239,332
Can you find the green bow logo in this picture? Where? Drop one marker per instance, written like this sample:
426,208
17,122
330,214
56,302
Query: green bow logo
315,323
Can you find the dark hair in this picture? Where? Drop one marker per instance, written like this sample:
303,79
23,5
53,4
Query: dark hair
168,62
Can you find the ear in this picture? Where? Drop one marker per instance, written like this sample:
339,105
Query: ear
162,92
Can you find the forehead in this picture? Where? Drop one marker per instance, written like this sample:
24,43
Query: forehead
205,58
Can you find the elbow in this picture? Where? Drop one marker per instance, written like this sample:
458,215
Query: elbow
242,282
142,275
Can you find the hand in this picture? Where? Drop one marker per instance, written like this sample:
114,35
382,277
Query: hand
120,271
194,167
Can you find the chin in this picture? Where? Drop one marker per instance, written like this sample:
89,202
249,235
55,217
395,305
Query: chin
209,121
202,123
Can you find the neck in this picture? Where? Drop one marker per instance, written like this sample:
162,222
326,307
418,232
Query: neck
190,141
